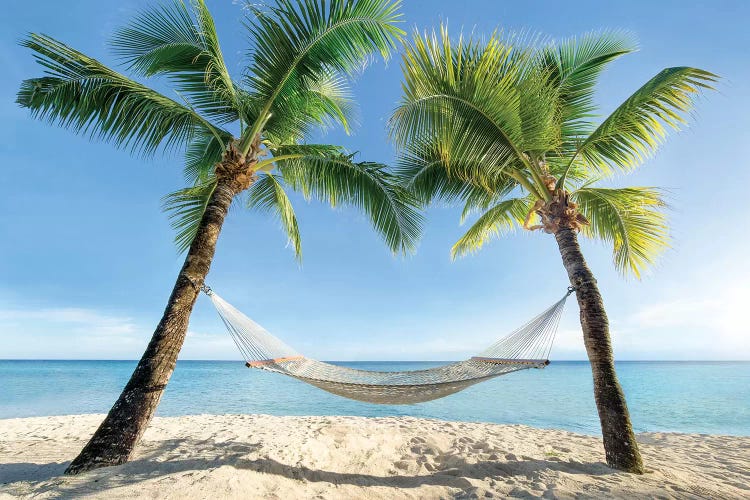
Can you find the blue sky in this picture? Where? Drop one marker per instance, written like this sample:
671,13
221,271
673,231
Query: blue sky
87,259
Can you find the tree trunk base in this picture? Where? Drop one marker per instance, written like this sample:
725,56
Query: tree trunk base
620,446
114,440
87,462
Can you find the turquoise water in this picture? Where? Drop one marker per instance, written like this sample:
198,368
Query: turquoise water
704,397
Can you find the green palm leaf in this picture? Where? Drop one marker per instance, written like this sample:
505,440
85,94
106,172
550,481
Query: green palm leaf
267,194
82,94
461,97
495,222
186,208
335,179
181,42
638,126
297,42
486,106
297,152
323,102
431,174
203,152
573,66
631,219
297,81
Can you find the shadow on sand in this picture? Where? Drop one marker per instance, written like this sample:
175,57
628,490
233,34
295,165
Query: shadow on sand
189,455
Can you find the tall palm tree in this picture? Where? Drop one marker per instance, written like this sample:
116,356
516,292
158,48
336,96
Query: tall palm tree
507,128
296,80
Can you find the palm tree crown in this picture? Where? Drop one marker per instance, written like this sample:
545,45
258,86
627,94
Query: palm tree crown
296,80
507,126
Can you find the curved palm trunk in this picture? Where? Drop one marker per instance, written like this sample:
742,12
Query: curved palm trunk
116,437
620,446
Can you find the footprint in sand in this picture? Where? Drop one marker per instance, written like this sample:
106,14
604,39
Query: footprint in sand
480,446
402,465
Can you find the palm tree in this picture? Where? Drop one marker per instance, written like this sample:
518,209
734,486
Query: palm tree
507,128
296,80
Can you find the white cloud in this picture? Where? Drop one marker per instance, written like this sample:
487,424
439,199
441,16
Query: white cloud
690,328
87,333
218,345
726,315
67,332
684,325
73,319
568,342
711,326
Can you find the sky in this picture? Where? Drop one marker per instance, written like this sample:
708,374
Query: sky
87,259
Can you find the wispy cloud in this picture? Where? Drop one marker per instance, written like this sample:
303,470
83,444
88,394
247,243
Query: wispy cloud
725,315
88,333
681,326
675,328
689,327
72,319
68,332
200,345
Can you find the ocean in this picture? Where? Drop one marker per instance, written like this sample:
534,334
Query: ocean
690,397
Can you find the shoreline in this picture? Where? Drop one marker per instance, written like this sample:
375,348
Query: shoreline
265,456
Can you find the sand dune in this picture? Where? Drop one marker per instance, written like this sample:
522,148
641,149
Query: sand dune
260,456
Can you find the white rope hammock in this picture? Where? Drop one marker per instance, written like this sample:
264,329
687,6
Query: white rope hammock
526,347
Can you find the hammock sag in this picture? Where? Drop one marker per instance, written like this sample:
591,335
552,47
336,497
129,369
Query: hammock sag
526,347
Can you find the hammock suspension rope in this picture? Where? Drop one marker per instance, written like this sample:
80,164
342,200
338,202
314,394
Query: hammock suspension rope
526,347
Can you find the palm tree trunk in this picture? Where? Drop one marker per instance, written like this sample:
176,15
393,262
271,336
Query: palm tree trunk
620,447
117,436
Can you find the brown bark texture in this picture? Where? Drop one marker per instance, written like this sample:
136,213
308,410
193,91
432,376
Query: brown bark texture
620,446
117,436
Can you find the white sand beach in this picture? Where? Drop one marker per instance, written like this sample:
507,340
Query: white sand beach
261,456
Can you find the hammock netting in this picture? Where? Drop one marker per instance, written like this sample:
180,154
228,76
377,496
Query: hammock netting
526,347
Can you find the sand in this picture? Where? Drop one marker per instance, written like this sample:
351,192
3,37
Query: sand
261,456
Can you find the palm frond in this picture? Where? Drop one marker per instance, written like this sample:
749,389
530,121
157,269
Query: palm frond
573,66
495,222
297,152
267,194
87,97
638,126
186,208
181,42
295,42
461,98
479,122
631,219
161,39
541,118
203,152
480,200
431,175
323,102
337,180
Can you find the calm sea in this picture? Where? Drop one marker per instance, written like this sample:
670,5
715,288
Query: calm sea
702,397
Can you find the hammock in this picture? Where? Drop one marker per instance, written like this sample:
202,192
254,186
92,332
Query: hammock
526,347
